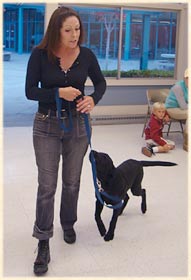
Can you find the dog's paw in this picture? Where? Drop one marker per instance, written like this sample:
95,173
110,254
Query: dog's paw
101,229
144,203
143,208
109,236
121,211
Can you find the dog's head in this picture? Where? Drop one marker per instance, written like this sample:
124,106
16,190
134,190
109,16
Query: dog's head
104,166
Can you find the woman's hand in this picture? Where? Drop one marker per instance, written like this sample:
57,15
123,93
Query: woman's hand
69,93
85,104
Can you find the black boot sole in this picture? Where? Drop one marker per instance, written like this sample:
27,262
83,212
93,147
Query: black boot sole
40,269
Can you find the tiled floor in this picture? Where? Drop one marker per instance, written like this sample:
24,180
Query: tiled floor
150,245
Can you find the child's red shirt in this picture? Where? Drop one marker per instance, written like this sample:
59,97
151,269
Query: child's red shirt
154,129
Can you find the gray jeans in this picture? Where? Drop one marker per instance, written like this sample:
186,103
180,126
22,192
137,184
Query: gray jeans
50,142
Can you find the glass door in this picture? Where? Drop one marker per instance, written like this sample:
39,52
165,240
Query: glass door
10,30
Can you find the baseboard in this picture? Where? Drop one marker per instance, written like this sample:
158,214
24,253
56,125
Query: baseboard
121,114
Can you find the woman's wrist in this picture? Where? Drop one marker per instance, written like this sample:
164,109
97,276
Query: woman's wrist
61,92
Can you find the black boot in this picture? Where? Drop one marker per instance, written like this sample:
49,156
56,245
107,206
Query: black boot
43,257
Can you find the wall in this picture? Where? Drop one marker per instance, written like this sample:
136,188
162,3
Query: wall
123,101
124,95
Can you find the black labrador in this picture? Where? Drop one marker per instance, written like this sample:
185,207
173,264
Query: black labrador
116,181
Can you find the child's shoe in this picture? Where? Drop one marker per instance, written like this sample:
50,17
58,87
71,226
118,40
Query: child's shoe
147,151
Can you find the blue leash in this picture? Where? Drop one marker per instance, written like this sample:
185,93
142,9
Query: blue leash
117,200
59,109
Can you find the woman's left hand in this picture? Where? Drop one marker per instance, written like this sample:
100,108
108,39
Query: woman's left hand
85,104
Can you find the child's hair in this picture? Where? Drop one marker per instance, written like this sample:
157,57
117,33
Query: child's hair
158,105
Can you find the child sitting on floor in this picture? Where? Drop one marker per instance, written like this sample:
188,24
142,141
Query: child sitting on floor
153,132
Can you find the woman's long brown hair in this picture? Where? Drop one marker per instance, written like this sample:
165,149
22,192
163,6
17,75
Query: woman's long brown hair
51,39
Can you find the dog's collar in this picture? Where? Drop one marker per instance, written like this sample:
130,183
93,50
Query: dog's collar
117,200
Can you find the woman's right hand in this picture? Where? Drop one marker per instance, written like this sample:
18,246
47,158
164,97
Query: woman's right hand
69,93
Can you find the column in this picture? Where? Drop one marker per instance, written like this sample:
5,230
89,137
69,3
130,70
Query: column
145,43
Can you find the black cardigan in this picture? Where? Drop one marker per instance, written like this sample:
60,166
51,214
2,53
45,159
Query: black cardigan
43,77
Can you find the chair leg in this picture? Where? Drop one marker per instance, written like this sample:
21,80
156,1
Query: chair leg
182,129
146,118
143,129
145,124
169,127
181,125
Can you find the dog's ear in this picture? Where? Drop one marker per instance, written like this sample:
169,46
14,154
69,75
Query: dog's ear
93,152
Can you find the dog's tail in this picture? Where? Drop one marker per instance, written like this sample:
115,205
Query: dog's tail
146,163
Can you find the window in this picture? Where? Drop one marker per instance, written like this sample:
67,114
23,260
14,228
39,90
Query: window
23,26
147,43
33,27
10,29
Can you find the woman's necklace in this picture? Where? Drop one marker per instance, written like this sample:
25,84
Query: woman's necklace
66,61
63,66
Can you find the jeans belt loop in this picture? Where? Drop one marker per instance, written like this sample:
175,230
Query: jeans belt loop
49,113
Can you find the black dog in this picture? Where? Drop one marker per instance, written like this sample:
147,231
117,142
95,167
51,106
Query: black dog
116,181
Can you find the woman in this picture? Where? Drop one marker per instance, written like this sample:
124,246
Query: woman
59,67
177,99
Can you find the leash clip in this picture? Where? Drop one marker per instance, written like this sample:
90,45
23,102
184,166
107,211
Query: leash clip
100,189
